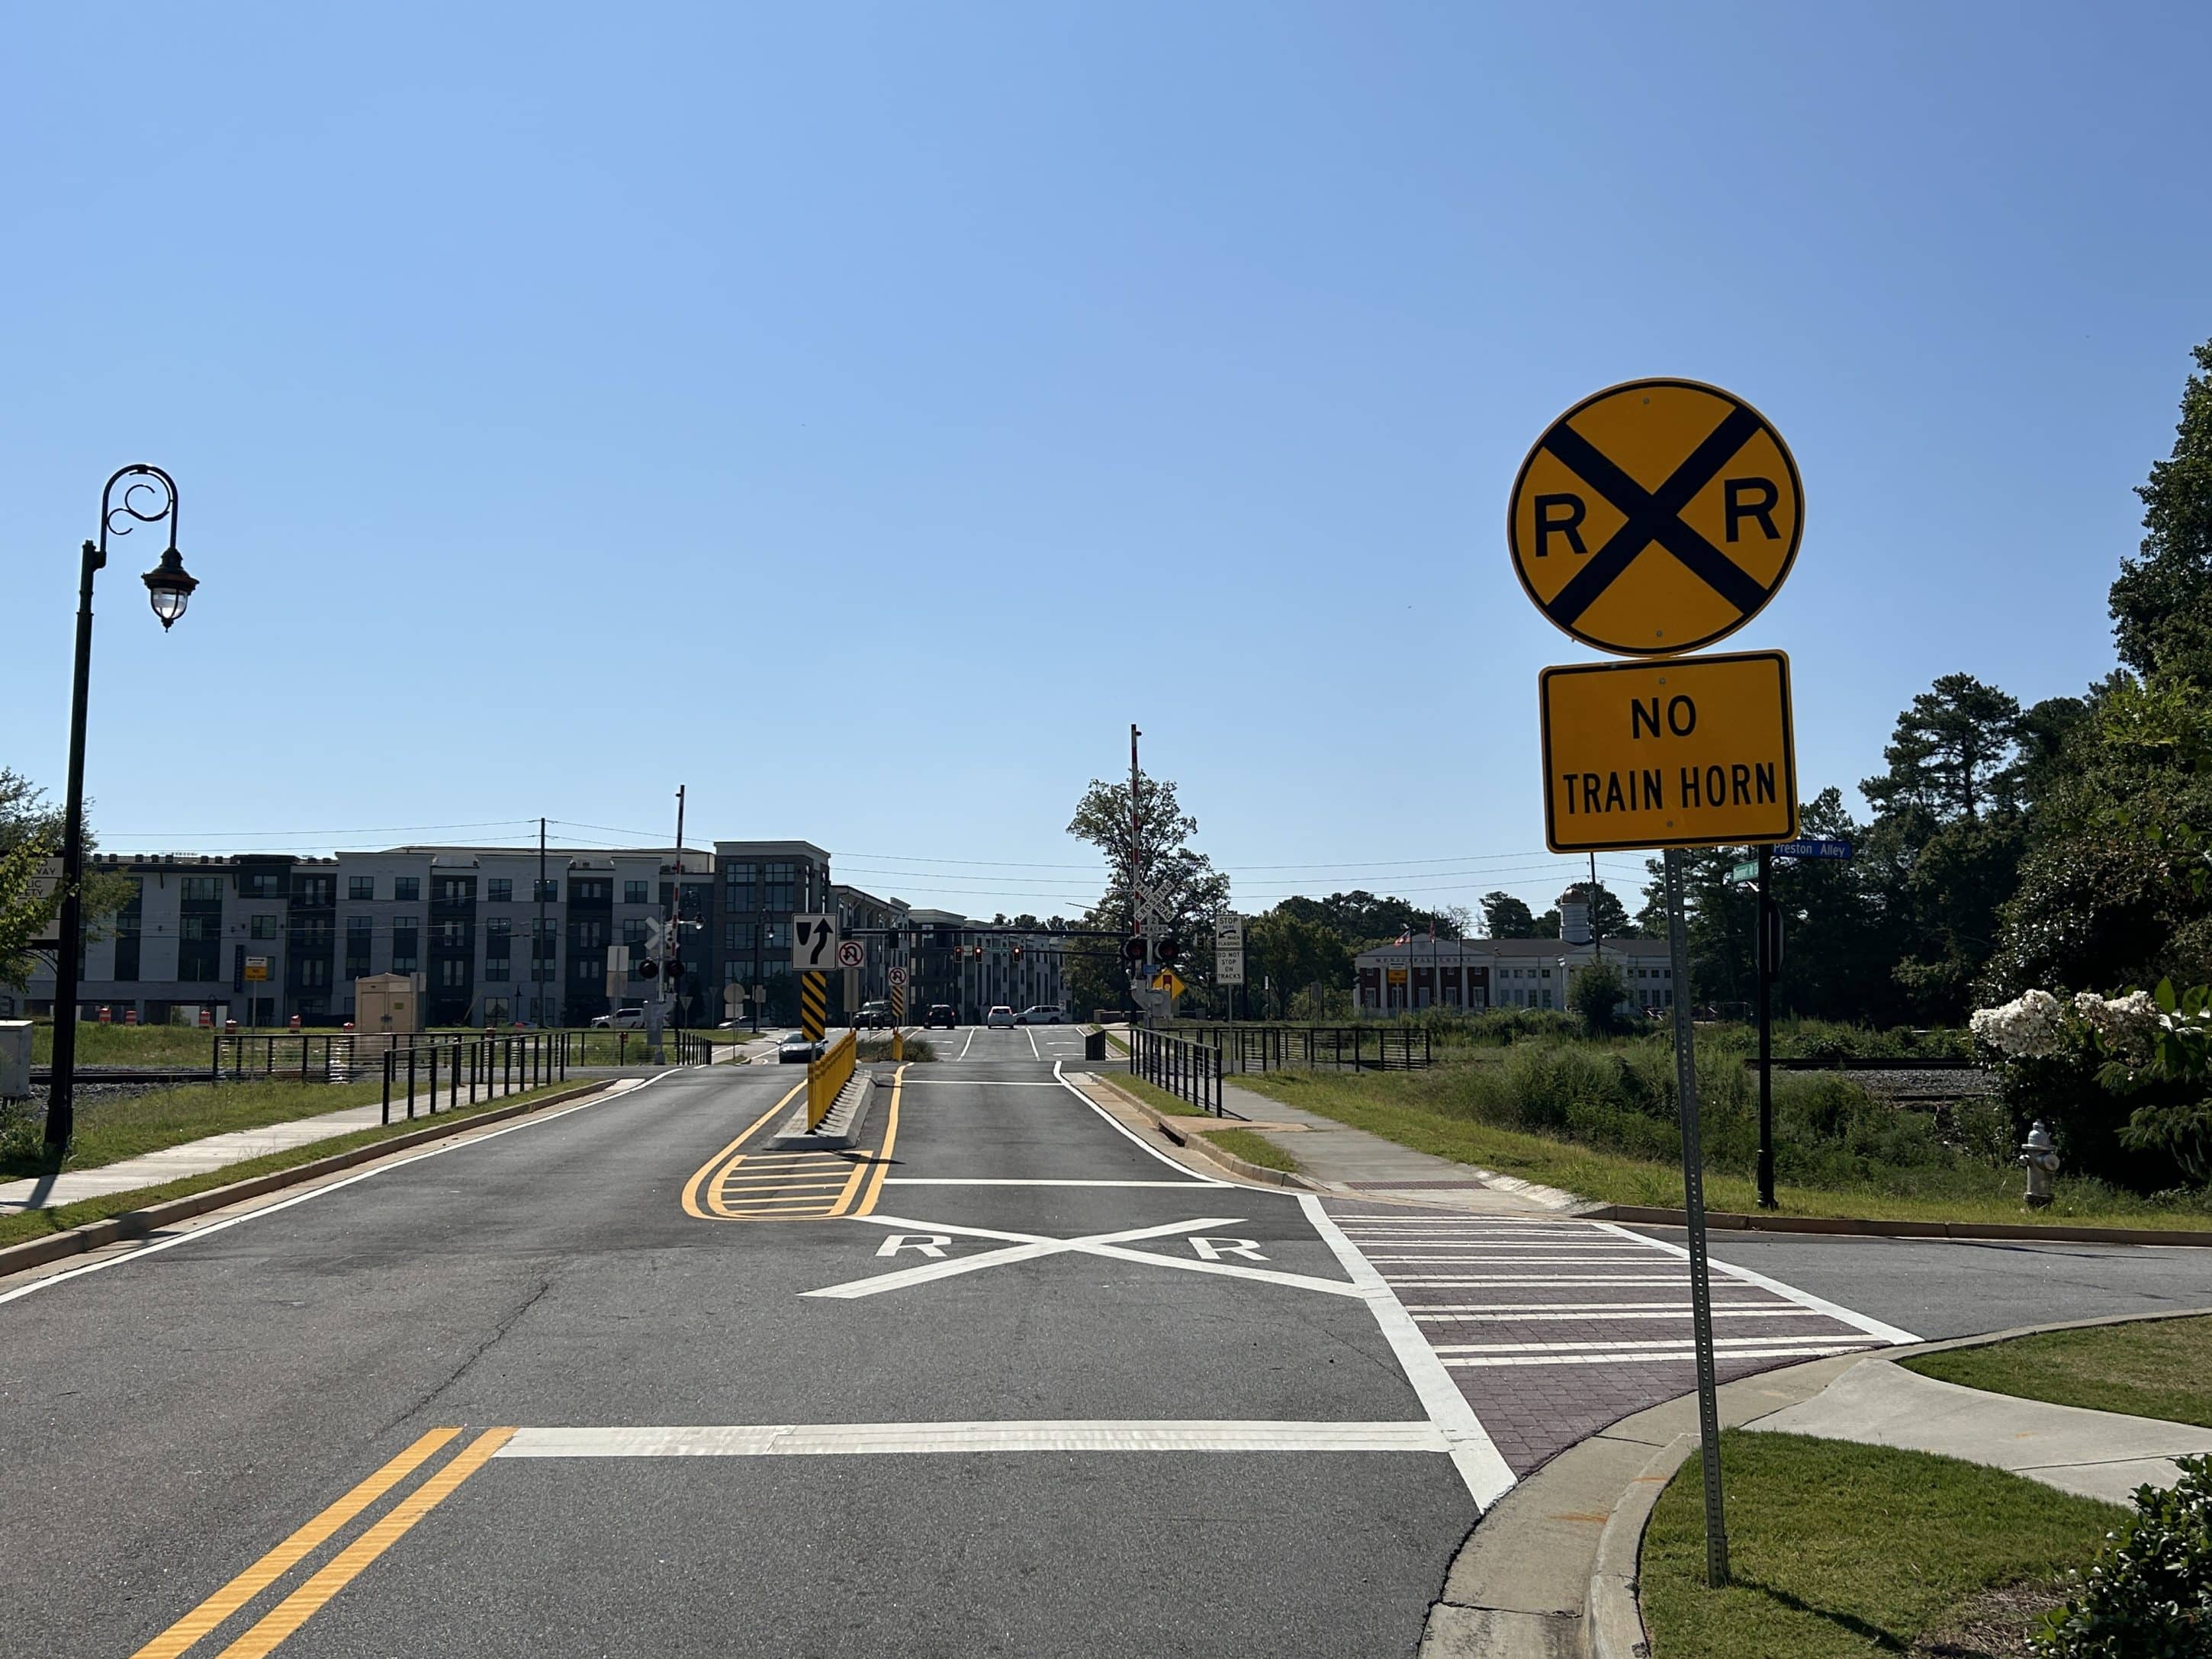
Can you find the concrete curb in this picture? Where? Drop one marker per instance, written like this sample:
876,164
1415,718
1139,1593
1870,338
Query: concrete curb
1648,1216
1612,1617
840,1124
136,1223
1165,1123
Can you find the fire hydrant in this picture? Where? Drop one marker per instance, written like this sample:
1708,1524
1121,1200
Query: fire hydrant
2041,1157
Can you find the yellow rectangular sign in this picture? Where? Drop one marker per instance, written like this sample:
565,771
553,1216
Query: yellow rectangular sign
1691,751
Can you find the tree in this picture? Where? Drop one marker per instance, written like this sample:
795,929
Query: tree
1181,880
1955,754
2162,604
1366,919
1505,916
1296,950
1596,994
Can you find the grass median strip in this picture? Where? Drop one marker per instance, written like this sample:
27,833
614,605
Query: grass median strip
114,1128
1237,1143
2159,1368
37,1224
1839,1549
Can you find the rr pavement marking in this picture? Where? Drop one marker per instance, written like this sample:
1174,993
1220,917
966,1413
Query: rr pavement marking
1030,1247
850,1439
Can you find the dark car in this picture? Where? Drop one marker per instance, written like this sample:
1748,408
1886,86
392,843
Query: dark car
797,1050
940,1013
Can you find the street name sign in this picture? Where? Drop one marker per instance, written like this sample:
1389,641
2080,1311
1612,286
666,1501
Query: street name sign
1814,849
813,944
1696,751
1656,517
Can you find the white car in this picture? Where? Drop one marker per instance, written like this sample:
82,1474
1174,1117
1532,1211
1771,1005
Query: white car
623,1019
1045,1013
1000,1015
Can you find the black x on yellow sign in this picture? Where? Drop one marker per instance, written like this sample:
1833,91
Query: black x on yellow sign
1656,517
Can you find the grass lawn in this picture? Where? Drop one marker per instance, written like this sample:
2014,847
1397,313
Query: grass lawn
1391,1104
879,1047
1238,1143
2153,1368
37,1223
177,1046
108,1129
1839,1549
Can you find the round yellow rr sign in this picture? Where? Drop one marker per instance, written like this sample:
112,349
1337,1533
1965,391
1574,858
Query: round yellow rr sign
1656,517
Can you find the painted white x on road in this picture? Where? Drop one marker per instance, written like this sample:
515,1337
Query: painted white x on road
1028,1247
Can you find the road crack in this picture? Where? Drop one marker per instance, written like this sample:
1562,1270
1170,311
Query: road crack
497,1334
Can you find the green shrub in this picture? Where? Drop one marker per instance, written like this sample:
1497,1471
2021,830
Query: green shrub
2149,1594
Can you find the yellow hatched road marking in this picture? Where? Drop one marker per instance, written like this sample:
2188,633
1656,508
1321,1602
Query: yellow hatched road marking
294,1550
694,1189
303,1603
736,1185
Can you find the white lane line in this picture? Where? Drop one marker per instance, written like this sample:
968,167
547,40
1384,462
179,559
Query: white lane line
959,1181
1437,1258
966,1046
970,1083
1671,1344
1456,1282
1473,1451
1684,1357
849,1439
1610,1316
459,1143
1128,1134
1874,1328
1030,1246
1034,1052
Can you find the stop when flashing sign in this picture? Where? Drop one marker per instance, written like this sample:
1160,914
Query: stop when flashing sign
1656,517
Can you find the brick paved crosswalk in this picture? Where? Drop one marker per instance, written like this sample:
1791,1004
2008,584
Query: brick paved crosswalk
1554,1328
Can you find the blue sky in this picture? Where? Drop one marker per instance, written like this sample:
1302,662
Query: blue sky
890,404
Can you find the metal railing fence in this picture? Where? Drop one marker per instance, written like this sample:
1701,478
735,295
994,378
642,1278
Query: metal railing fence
502,1062
1188,1070
1354,1047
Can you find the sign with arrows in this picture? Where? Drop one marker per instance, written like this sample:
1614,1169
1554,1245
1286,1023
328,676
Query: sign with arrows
851,953
813,944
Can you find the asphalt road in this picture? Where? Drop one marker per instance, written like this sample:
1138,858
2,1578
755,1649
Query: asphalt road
627,1378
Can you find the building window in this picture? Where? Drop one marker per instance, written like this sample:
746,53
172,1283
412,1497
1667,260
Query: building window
587,935
452,935
361,887
499,890
457,890
261,884
316,892
633,932
782,888
499,927
547,891
634,892
453,975
407,890
498,968
314,972
779,936
406,949
589,970
741,936
202,888
584,889
738,889
261,928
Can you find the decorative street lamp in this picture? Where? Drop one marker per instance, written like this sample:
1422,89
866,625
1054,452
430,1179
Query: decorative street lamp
147,495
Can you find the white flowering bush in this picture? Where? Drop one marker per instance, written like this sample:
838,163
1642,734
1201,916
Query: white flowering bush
2031,1026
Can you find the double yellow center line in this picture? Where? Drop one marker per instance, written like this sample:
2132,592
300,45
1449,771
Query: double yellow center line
295,1609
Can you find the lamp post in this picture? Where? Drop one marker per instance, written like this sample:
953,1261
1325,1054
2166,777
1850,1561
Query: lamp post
147,495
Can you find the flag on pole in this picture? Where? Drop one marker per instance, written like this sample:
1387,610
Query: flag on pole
1406,938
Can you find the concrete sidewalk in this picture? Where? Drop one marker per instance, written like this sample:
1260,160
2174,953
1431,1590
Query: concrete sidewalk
2097,1454
1353,1164
192,1157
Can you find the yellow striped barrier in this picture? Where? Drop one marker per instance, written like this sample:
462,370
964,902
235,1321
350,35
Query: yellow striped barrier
826,1078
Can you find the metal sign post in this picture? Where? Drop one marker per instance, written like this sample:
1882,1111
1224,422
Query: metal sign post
1693,1212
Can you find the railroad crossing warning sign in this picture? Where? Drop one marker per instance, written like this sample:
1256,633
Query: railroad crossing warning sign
1697,751
813,943
1165,980
851,953
1655,517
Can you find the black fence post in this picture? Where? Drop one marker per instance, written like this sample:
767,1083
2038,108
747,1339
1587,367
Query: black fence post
388,1086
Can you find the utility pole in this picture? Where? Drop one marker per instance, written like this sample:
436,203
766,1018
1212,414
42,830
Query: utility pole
541,947
1136,860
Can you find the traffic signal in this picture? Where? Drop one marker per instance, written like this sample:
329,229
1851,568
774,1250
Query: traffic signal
1133,949
1018,953
674,969
1169,950
979,950
648,969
